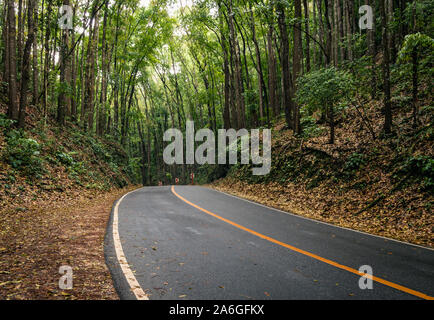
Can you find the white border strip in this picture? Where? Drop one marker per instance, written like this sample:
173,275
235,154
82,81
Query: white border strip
129,275
318,221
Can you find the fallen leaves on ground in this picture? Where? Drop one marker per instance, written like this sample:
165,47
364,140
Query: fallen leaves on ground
37,241
295,198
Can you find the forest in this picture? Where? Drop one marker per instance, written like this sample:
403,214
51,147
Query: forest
89,88
128,70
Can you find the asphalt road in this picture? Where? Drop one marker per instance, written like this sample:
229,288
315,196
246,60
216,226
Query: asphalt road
195,243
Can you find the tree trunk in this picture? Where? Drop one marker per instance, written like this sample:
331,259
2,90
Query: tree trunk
104,67
238,82
272,74
74,65
226,70
64,100
386,70
261,82
12,62
373,53
415,63
35,59
25,72
90,77
330,58
392,33
306,27
348,32
322,35
46,59
284,60
297,58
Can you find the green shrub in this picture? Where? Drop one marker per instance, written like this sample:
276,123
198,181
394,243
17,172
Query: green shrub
354,162
23,154
310,127
66,159
324,90
5,123
421,167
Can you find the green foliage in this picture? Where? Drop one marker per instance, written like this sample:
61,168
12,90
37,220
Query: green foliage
310,127
421,167
418,14
354,162
322,89
5,123
65,158
24,154
418,50
423,44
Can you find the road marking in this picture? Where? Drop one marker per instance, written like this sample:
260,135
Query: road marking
128,273
309,254
321,222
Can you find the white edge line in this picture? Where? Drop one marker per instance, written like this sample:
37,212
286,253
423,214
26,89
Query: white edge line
128,273
322,222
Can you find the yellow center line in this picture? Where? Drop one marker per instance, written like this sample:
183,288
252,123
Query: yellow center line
306,253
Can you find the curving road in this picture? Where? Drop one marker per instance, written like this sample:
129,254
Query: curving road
190,242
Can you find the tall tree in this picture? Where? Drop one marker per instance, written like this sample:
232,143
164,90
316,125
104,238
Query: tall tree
386,69
13,110
64,99
25,72
297,58
284,60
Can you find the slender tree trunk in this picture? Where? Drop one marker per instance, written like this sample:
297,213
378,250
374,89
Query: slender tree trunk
5,52
335,30
322,34
340,29
284,60
330,58
46,59
227,88
74,64
104,66
348,32
226,70
238,82
64,100
12,62
20,36
261,82
415,63
392,33
272,74
306,27
297,58
25,72
35,79
386,70
372,53
90,76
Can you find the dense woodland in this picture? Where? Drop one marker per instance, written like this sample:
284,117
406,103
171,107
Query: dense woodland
85,102
129,70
